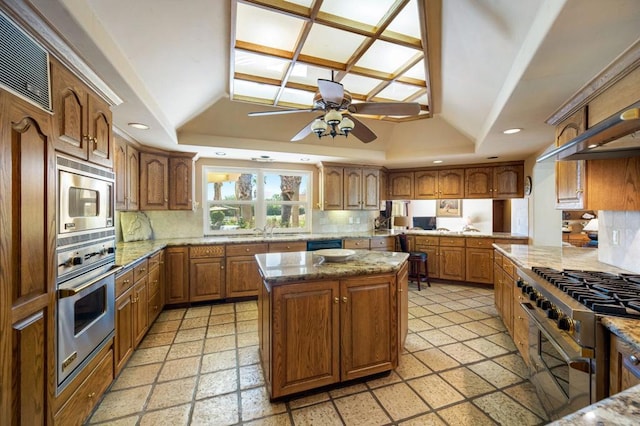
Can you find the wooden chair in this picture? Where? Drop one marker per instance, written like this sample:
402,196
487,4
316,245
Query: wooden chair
417,262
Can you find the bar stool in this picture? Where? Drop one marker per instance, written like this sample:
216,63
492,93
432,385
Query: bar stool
417,262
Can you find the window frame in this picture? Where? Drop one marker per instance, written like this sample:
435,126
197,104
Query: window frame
260,203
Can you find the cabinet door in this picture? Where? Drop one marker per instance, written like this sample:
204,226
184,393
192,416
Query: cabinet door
120,169
451,183
180,183
425,184
508,181
206,279
368,323
452,263
433,260
401,186
520,325
384,186
479,265
478,182
403,304
243,277
133,178
154,294
154,182
507,302
624,368
370,189
70,99
124,338
27,267
352,188
100,132
305,341
140,310
177,274
498,276
570,175
332,188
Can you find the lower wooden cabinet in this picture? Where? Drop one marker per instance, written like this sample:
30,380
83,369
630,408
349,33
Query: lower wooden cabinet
206,273
451,260
479,260
403,305
243,278
520,325
140,310
318,333
124,339
176,268
624,369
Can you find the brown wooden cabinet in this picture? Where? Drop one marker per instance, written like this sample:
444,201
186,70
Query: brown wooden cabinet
180,183
243,278
156,286
403,305
82,121
361,186
124,339
382,243
176,275
506,181
27,262
624,370
571,175
355,332
140,309
520,324
154,181
206,273
401,186
126,166
287,246
431,246
479,260
384,185
504,285
332,189
437,184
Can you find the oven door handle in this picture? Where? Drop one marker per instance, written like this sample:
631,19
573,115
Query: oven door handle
70,292
569,350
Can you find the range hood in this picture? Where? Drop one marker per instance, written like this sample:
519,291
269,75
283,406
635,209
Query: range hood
616,137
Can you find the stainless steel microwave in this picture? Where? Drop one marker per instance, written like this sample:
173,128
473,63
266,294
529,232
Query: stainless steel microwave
85,197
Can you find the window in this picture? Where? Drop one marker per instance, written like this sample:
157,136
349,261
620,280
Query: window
242,200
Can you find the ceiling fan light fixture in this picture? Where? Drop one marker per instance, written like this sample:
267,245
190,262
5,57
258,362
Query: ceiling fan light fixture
319,127
333,117
346,125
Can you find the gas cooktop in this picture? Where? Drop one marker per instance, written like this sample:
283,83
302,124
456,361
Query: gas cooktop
602,292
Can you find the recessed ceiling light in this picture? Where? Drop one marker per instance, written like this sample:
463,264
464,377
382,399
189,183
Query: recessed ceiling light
140,126
511,131
221,154
593,145
437,161
305,159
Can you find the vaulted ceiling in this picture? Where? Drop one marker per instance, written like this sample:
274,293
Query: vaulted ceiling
492,65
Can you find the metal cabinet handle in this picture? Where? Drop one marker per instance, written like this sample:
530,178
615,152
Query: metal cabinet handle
344,299
336,300
91,395
634,359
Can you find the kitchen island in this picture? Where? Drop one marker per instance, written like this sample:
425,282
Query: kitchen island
322,323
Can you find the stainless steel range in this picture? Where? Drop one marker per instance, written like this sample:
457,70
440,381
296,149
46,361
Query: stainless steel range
567,354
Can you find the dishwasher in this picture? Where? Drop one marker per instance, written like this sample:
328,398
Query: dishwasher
323,244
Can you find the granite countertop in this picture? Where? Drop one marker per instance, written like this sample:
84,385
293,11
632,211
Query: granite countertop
131,252
282,268
626,328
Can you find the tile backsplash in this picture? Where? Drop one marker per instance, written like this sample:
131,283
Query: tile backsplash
619,239
336,221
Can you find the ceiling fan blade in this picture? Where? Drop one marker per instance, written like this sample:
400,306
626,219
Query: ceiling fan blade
385,108
361,131
277,112
331,91
306,130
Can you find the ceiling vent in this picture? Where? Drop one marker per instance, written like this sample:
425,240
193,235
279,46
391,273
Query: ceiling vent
24,65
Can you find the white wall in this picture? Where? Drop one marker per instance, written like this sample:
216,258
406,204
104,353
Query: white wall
520,216
545,226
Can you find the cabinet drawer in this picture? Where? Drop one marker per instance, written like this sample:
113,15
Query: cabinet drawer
285,247
382,243
154,281
197,252
140,270
497,258
356,243
479,242
154,260
124,282
87,395
508,266
246,249
452,241
427,241
154,307
510,241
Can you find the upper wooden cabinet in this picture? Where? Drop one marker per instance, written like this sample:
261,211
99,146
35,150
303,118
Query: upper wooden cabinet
437,184
505,181
154,181
570,175
361,186
400,185
180,183
82,122
349,188
126,165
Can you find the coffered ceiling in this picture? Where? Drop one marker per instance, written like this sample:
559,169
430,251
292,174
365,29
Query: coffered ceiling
187,68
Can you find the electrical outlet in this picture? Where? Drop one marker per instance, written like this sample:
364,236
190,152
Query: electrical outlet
615,237
350,219
358,220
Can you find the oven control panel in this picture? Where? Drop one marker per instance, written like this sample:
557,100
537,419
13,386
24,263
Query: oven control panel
76,259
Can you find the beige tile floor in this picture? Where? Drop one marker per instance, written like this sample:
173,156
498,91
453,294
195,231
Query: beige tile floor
200,366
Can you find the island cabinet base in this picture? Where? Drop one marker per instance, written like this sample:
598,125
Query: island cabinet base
317,333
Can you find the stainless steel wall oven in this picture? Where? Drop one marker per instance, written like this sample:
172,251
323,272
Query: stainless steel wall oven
85,254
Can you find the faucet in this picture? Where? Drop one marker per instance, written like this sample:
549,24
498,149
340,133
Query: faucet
266,231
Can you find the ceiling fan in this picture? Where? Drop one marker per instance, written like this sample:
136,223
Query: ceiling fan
338,119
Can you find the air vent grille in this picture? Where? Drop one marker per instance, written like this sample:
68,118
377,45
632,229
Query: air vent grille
24,64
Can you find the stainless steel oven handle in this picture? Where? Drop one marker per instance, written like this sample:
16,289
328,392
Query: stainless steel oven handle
70,292
569,350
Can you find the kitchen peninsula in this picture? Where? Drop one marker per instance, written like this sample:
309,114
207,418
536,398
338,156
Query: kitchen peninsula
322,323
